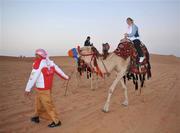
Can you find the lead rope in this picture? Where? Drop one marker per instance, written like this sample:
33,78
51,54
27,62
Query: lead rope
99,72
108,74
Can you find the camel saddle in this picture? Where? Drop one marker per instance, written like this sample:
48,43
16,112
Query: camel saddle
126,49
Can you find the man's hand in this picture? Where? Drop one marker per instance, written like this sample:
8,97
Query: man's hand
27,94
69,77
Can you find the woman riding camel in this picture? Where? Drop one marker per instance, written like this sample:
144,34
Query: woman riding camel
42,77
133,35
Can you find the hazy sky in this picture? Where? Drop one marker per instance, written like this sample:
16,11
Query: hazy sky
58,25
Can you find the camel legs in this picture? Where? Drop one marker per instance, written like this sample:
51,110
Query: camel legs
96,82
111,90
91,78
125,103
94,78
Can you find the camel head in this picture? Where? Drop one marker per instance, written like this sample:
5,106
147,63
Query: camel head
86,53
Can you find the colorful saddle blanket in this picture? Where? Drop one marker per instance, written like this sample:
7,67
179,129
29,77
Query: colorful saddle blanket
126,49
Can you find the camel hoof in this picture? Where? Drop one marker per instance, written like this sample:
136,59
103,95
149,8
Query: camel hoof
125,103
105,111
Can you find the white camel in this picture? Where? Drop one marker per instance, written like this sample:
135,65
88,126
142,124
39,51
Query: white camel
112,62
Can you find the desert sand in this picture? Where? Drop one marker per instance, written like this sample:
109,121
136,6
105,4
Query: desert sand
157,110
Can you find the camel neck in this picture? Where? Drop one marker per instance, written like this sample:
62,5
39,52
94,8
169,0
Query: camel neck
105,65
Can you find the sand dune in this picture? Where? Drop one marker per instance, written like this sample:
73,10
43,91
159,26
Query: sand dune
157,110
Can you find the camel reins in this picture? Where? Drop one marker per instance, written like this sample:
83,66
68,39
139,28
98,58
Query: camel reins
105,67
